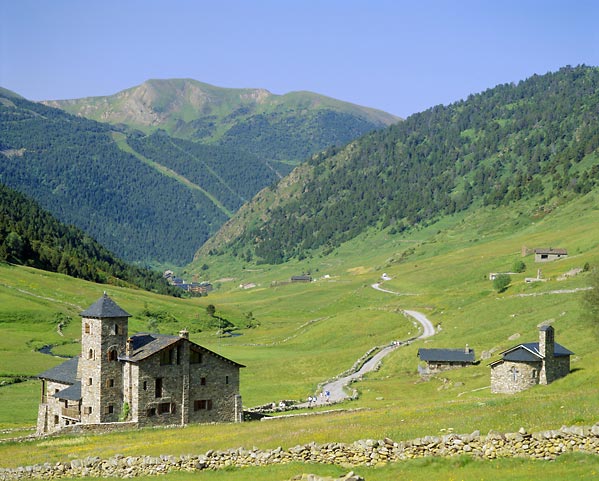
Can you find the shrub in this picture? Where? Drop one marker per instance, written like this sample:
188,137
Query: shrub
501,282
519,266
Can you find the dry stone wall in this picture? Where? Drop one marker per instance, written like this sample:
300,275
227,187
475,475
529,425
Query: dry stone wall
541,445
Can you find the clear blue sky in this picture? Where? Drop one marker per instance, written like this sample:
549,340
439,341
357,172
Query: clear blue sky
398,56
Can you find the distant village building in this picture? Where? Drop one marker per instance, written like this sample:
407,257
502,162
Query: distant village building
146,379
442,359
550,254
302,278
526,365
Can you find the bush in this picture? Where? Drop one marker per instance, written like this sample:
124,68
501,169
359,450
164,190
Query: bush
519,266
501,282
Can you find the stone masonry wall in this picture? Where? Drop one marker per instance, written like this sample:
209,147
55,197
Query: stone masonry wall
502,378
541,445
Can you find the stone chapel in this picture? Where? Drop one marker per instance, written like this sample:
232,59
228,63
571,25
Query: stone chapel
144,379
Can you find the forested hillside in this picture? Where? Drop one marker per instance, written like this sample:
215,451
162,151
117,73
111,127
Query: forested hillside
537,140
31,236
74,168
282,130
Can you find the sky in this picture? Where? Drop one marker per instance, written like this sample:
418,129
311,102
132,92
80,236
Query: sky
398,56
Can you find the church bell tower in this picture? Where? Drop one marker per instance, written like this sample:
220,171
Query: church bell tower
104,332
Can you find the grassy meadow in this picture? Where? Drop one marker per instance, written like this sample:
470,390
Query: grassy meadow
309,333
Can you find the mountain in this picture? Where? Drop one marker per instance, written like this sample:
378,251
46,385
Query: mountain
536,140
280,129
86,174
33,237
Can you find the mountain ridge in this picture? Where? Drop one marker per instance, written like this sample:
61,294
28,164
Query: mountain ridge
157,94
537,139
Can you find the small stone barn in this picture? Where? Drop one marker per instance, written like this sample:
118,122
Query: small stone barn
526,365
550,254
442,359
145,379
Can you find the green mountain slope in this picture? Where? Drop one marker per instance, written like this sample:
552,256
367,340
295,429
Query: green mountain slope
534,140
277,128
33,237
74,168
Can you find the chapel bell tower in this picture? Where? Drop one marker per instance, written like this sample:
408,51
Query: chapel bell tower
104,332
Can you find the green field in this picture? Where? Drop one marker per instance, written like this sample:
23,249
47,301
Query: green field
309,333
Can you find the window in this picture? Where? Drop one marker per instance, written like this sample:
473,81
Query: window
195,357
202,404
109,382
534,373
89,381
56,419
112,355
158,387
165,408
145,385
151,412
87,410
226,379
109,409
167,357
87,330
202,381
90,354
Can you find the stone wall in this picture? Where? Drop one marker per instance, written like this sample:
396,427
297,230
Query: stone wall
541,445
503,379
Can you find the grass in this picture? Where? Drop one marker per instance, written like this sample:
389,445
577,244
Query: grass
311,332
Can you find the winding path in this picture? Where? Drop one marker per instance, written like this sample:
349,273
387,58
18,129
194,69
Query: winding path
336,387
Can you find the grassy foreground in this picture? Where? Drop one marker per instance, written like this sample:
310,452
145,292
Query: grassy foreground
311,332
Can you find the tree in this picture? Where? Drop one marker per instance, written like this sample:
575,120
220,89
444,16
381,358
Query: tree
519,266
501,282
14,245
210,310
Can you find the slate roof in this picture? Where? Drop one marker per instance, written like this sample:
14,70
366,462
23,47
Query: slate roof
523,352
446,355
65,373
529,352
105,307
145,345
72,393
550,250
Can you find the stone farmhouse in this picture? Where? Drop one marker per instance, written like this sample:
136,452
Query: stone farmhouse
550,254
145,379
438,360
526,365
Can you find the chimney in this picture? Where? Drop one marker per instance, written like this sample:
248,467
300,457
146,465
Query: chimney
129,347
184,333
467,350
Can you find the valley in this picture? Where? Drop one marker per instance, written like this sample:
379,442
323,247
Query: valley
288,356
412,219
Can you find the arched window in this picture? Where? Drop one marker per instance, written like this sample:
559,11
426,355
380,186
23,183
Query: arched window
90,354
112,355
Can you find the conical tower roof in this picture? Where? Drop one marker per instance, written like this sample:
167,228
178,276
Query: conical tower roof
103,308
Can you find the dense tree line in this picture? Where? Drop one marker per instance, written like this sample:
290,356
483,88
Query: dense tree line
231,176
74,168
33,237
294,135
535,139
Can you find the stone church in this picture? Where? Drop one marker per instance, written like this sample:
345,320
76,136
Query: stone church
143,379
529,364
